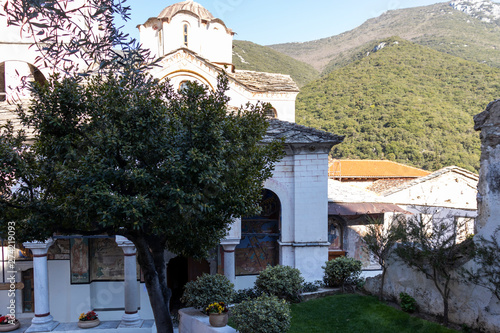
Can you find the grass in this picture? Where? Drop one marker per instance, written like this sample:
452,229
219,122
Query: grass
356,313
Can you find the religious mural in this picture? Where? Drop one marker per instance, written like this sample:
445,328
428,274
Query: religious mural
79,256
258,247
106,260
60,250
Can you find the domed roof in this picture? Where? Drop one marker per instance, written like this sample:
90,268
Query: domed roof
186,6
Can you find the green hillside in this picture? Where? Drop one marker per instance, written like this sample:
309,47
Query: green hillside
405,103
251,56
437,26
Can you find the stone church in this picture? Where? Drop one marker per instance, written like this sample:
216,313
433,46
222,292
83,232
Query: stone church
68,275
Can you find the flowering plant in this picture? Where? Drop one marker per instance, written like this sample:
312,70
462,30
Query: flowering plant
91,315
7,319
217,307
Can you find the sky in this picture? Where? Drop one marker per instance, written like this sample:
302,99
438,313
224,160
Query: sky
268,22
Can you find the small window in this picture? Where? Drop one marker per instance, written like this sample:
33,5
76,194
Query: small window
183,86
465,228
185,34
271,113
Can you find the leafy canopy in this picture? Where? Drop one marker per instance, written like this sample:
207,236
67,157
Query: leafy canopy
126,154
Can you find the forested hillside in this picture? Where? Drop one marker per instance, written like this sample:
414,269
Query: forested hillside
438,26
251,56
406,103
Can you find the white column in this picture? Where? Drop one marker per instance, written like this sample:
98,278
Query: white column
131,318
229,264
43,321
229,244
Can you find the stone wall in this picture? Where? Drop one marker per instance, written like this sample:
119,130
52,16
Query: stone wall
469,304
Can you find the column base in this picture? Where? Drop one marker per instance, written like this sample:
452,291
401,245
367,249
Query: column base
131,320
42,324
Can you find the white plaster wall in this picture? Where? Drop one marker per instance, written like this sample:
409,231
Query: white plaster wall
68,301
448,190
182,66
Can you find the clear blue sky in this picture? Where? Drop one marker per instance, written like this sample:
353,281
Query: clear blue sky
280,21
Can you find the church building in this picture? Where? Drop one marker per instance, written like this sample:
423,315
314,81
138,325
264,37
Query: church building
68,275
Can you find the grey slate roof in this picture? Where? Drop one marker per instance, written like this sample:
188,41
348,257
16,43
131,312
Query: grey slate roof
294,133
262,81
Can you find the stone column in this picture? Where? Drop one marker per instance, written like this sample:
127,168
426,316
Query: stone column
131,318
43,321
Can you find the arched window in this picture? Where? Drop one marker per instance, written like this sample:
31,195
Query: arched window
183,86
271,113
185,35
259,237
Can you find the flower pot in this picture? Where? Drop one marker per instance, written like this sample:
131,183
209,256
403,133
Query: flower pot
10,327
88,323
218,320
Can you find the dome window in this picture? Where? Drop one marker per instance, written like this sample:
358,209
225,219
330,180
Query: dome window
185,35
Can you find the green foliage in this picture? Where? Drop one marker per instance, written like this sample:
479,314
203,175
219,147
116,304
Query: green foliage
246,294
342,271
251,56
309,287
438,26
208,289
405,103
265,314
408,303
282,281
356,313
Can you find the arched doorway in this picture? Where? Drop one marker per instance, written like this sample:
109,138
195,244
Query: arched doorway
181,270
259,247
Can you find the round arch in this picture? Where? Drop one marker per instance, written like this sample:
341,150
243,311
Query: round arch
260,235
176,77
14,74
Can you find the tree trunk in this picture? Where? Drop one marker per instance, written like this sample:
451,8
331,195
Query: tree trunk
381,290
445,311
152,262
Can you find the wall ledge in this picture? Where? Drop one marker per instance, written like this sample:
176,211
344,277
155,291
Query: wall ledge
194,321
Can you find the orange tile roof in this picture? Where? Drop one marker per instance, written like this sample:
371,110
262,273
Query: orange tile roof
372,169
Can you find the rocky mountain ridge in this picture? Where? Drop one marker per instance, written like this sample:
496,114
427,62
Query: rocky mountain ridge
485,10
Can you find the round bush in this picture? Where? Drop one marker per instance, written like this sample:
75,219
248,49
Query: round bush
264,314
282,281
341,271
206,290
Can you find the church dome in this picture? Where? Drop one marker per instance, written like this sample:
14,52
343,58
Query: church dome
186,6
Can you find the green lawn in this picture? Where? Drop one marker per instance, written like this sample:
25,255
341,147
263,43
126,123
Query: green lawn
356,314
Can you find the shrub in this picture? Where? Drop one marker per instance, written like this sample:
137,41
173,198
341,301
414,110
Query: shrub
408,303
342,271
265,314
206,290
246,294
282,281
309,287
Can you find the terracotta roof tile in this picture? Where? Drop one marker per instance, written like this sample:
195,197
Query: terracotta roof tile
363,169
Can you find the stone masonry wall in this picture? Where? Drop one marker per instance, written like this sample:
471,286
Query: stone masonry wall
469,304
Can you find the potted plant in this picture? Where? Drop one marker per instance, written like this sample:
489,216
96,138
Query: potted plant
88,320
217,313
8,323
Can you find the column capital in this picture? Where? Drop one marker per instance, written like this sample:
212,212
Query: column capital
39,248
127,246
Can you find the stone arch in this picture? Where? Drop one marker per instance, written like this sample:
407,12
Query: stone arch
260,236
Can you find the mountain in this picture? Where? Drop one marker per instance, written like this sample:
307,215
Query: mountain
467,29
251,56
403,102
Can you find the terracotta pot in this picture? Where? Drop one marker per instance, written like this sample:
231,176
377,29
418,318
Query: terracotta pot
88,323
10,327
218,320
